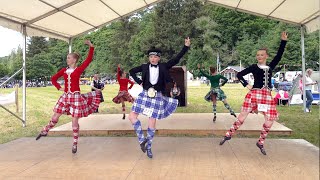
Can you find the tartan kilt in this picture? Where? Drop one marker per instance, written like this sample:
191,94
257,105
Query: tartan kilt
159,107
124,95
78,105
260,96
220,96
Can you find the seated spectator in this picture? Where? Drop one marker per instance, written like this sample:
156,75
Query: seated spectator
281,97
175,92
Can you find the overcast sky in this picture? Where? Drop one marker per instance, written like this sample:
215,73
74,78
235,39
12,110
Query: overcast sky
9,40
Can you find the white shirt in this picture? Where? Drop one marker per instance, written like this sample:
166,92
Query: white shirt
308,81
69,70
153,74
92,83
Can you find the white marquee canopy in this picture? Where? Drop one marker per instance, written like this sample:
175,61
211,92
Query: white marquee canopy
65,19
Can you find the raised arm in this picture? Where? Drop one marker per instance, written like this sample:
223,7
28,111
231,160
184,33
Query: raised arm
89,58
133,72
54,78
243,73
201,73
177,58
118,70
277,58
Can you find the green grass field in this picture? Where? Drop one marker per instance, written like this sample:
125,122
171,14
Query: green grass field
40,102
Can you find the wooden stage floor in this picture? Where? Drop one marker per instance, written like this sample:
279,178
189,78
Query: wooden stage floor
120,158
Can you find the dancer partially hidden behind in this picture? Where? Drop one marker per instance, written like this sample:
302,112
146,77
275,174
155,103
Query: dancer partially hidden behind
216,93
259,98
97,85
151,101
123,94
72,102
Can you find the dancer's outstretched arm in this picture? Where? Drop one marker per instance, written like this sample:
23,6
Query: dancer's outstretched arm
277,58
177,58
118,70
89,58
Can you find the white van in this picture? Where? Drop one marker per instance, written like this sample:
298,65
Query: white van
288,76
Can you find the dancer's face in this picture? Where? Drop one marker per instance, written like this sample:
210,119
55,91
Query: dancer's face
124,75
71,60
262,56
153,59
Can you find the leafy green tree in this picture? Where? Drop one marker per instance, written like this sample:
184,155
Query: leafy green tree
39,67
36,45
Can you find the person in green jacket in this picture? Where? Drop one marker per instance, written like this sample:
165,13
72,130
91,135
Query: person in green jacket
215,92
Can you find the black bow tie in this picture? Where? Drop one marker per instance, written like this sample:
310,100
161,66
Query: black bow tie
152,65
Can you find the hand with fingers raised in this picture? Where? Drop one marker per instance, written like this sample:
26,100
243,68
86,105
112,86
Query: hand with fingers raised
284,36
187,42
88,42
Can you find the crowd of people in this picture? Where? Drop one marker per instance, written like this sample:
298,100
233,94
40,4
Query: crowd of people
29,83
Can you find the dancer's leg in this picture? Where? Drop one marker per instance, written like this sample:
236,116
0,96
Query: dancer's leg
264,133
236,125
123,108
214,106
54,120
75,129
228,107
150,134
133,117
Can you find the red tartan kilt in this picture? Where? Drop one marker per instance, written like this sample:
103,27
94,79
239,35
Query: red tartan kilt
78,105
260,96
123,95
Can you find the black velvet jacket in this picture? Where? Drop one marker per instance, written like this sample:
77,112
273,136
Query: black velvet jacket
258,73
164,76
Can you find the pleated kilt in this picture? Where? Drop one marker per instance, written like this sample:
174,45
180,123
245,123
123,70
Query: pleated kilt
158,107
78,105
260,96
220,96
123,95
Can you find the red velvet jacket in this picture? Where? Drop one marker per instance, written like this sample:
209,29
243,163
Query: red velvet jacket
123,82
72,80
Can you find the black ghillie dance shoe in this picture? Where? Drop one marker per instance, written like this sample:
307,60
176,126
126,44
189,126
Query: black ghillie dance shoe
149,153
143,145
226,138
263,151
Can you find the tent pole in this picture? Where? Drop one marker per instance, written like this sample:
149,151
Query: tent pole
24,92
303,69
70,45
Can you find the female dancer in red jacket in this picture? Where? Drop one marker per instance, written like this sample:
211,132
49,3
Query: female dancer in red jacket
123,94
72,102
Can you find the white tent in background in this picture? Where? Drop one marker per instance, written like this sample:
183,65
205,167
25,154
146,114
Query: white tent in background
67,19
6,99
